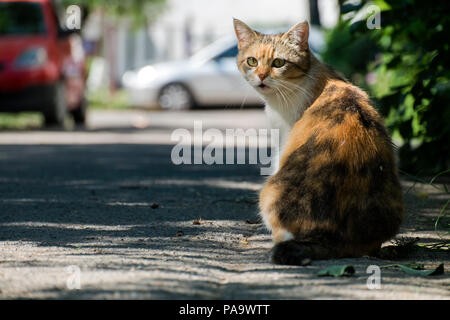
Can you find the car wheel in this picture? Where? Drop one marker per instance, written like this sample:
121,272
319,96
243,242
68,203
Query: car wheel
79,114
56,112
175,96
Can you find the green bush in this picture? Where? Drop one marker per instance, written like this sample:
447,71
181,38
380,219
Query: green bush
405,66
349,54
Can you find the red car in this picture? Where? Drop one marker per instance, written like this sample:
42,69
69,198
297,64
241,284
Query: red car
42,65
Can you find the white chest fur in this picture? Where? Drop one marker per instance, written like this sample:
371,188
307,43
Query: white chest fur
283,117
284,112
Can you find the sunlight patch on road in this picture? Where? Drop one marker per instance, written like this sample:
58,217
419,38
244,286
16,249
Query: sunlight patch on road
218,183
68,226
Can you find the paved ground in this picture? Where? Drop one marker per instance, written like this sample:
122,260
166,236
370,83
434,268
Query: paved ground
109,201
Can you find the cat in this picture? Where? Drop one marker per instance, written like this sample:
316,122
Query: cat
336,192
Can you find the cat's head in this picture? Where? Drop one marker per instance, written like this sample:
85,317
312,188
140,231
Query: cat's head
271,63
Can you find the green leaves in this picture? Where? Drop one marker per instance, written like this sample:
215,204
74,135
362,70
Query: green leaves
412,269
410,59
337,271
417,269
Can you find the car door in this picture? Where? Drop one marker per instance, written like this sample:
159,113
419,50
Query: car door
240,91
219,82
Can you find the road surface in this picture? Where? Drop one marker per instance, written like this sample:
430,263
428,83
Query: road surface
104,213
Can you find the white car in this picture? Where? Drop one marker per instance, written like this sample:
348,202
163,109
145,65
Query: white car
208,78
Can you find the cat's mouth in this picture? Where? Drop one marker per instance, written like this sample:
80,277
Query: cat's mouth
263,86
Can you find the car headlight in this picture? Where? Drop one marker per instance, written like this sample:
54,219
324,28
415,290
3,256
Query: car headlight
146,75
31,58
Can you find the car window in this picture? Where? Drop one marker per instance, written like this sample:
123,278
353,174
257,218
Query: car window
229,53
20,18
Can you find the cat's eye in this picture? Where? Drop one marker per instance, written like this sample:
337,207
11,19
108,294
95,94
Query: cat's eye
278,63
252,62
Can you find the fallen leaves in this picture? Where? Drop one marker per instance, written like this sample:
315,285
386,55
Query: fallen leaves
417,269
337,271
412,268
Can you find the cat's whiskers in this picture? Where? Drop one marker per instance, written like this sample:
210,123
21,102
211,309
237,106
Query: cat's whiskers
284,102
288,97
302,90
285,95
243,100
283,98
292,93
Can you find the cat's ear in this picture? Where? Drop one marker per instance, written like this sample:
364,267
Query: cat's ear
244,33
299,35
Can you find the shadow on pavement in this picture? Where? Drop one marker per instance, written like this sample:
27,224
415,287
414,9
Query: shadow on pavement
181,231
47,188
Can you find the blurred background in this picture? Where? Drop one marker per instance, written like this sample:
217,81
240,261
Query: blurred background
66,64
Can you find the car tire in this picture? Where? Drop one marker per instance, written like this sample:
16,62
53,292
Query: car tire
79,114
176,96
56,111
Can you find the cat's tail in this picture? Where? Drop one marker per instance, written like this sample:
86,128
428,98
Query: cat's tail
295,252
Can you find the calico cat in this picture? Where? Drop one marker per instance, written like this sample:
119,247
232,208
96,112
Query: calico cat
336,192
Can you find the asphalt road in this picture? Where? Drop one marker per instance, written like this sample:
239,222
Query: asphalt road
104,213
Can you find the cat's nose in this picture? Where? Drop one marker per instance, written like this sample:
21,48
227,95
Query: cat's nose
262,76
